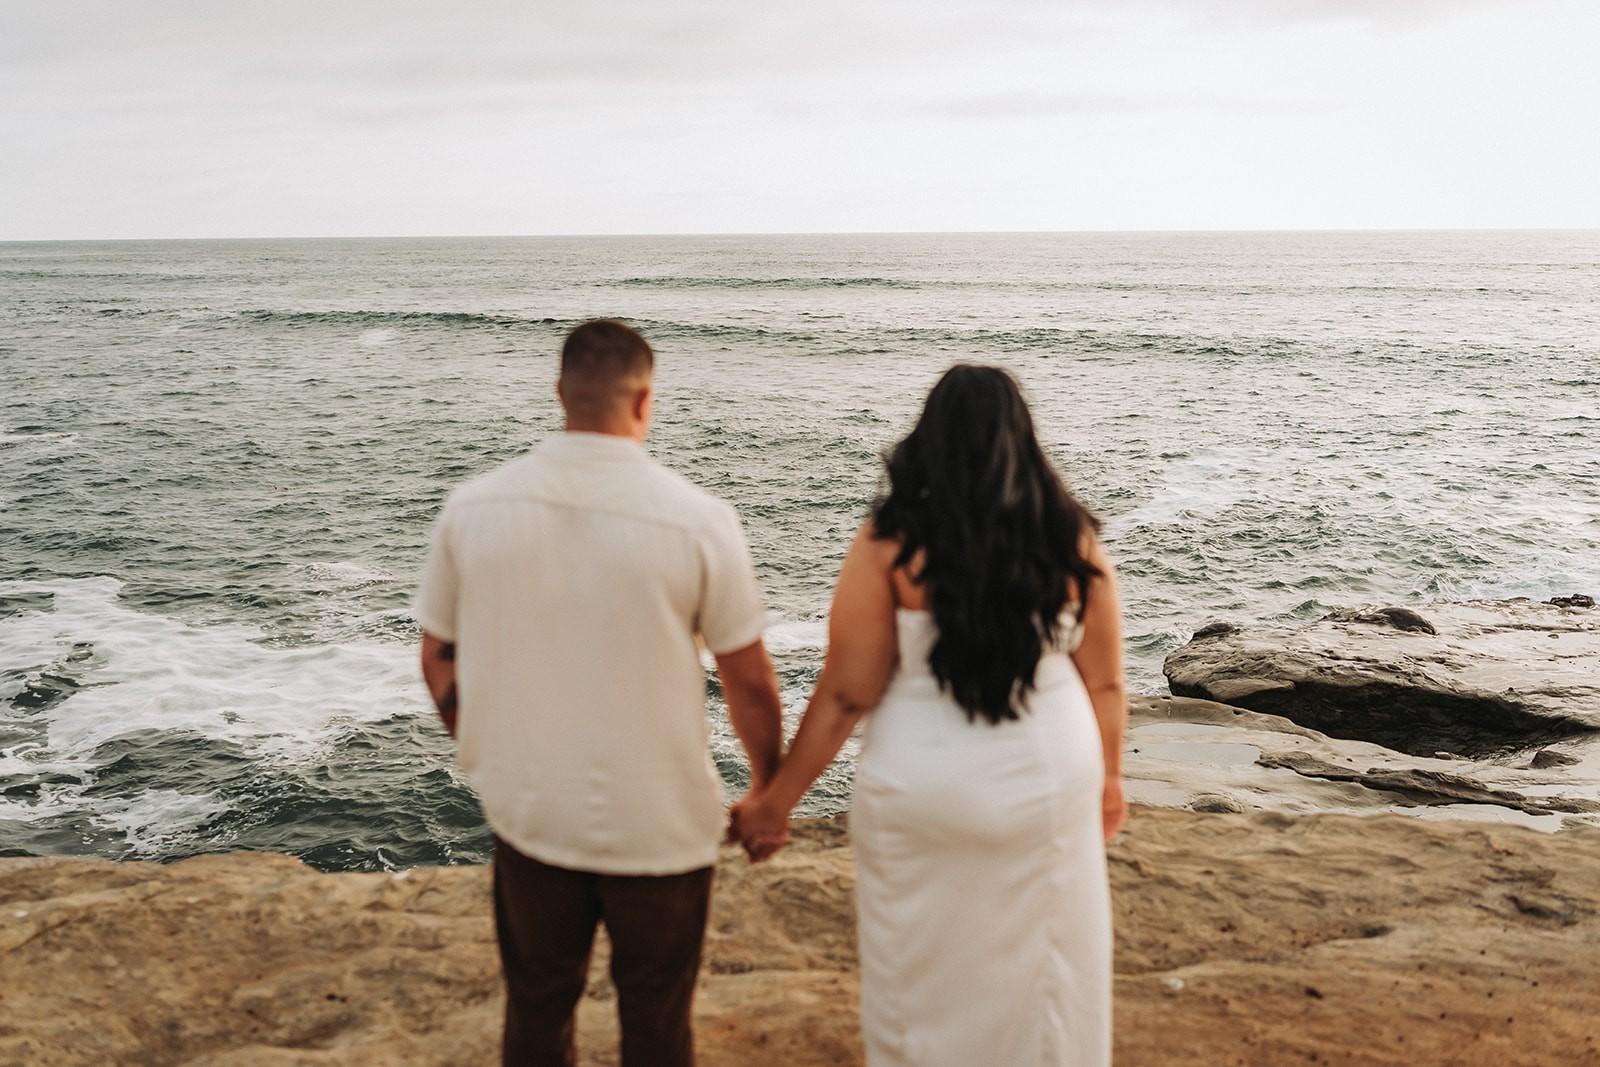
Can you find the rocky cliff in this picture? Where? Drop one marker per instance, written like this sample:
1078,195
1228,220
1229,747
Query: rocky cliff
1259,939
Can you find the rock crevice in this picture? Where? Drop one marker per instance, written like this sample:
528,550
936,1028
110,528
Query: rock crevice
1480,679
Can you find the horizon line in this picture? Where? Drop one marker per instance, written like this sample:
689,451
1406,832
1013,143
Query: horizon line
804,233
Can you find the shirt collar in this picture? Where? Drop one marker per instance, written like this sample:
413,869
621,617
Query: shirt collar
592,445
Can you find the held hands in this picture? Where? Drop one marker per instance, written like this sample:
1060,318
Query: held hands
762,829
758,825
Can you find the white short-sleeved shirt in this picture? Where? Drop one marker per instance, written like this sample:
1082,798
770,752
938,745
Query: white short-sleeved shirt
574,582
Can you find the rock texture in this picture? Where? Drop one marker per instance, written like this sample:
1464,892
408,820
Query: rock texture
1475,679
1259,939
1209,757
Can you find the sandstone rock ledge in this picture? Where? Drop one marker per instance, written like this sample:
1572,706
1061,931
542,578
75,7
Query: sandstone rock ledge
1260,939
1478,679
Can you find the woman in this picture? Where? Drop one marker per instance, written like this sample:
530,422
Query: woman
976,619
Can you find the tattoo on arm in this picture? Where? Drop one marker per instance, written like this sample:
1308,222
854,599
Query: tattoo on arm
448,702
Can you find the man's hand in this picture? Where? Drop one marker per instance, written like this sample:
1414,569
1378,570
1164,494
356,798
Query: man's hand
758,826
1113,807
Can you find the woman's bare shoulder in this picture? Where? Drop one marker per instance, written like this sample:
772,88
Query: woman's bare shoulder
879,548
902,576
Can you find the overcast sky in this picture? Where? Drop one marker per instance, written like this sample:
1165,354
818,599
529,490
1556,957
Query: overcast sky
334,117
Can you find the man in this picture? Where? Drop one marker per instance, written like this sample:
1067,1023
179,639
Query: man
562,599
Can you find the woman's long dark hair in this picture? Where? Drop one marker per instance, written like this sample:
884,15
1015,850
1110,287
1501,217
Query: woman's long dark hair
974,502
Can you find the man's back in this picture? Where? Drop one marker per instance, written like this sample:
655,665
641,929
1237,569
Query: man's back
559,609
574,581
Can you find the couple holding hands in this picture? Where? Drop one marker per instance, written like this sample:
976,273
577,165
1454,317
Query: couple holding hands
974,634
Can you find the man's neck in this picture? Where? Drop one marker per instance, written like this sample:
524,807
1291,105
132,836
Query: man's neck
627,433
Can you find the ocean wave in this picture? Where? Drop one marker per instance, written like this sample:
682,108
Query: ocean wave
155,820
150,671
88,676
1199,487
791,635
1415,290
372,326
346,574
378,318
99,275
1042,339
1043,285
668,281
157,733
369,320
14,438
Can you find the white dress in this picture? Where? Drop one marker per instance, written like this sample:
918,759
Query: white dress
983,909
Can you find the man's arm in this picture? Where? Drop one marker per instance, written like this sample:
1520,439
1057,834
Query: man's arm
754,708
439,673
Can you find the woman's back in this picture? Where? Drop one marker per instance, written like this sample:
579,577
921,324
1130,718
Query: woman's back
981,795
980,865
923,747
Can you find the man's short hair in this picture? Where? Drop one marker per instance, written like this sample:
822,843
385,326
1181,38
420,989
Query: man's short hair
602,361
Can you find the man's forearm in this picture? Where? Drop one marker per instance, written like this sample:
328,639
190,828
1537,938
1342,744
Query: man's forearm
757,719
439,673
754,707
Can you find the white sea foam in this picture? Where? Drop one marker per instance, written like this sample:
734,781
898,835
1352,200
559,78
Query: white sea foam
29,444
1200,486
52,799
151,671
156,672
347,574
38,439
794,635
156,818
785,636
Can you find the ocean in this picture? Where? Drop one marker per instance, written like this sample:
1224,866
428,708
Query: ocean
219,461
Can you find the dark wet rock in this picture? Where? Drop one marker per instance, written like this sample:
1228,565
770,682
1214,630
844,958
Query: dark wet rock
1560,912
1398,618
1214,803
1546,758
1214,629
1479,679
1159,708
1576,600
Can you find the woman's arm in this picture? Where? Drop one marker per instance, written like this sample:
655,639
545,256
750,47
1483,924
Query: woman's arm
862,648
1099,662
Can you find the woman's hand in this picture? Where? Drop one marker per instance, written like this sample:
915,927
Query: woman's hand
1113,807
759,824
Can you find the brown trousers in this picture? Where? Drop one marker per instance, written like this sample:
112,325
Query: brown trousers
546,917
